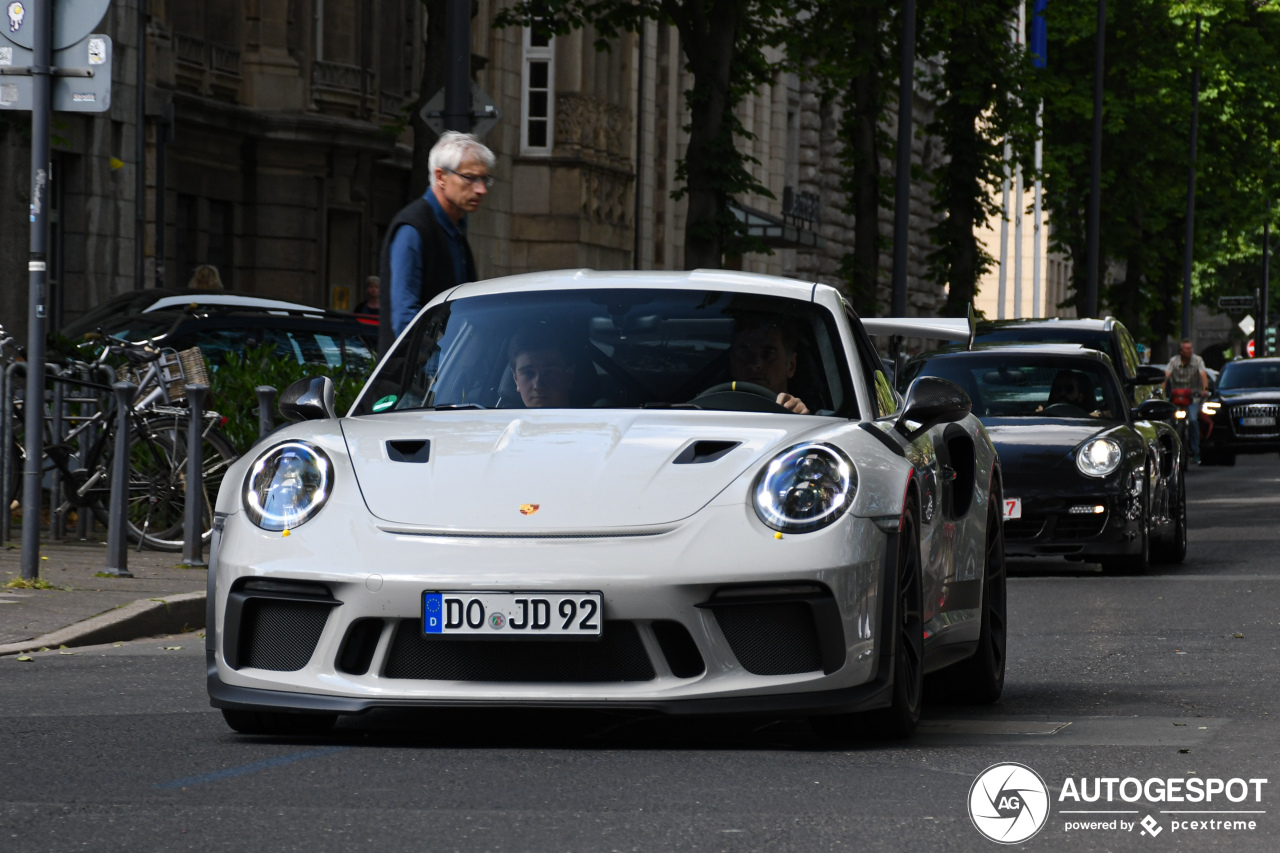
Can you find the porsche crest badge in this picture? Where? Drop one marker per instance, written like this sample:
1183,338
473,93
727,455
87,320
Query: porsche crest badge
528,509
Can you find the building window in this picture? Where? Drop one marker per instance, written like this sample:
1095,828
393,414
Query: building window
537,93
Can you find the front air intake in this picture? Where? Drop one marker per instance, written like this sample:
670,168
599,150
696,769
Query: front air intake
619,655
781,630
280,635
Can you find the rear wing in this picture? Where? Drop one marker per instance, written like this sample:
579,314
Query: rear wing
948,329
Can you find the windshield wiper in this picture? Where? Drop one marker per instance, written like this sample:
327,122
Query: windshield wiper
451,406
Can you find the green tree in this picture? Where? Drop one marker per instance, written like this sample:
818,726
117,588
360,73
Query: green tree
724,44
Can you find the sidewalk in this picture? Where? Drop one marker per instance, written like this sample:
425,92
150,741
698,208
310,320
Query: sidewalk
27,614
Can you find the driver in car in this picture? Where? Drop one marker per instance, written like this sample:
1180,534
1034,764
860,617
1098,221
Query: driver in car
542,369
1072,388
763,353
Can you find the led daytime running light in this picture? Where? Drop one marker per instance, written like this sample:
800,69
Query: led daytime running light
287,485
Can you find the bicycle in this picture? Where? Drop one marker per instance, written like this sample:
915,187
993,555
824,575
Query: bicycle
156,502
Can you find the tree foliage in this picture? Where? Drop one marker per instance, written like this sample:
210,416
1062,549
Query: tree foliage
1150,55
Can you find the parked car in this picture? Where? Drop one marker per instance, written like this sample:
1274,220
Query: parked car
1241,413
575,489
1086,476
310,336
1108,336
110,312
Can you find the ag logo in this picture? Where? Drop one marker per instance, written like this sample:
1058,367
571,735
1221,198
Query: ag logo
1009,803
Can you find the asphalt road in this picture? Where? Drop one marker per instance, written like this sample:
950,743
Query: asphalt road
1171,675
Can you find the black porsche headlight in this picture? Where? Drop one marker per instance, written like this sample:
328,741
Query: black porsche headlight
805,488
1098,457
287,485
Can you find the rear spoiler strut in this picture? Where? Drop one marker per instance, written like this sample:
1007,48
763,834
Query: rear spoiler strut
898,329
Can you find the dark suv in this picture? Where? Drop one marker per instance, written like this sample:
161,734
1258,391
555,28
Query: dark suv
1108,336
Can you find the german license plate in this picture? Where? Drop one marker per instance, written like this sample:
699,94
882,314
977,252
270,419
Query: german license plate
1257,422
527,615
1012,508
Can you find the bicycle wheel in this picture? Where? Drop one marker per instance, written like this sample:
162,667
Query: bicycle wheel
157,481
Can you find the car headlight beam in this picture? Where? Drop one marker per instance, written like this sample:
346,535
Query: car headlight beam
805,488
287,485
1098,457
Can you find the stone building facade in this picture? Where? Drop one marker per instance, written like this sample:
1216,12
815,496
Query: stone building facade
278,148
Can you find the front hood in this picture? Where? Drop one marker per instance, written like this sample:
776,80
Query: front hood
1231,397
582,469
1027,445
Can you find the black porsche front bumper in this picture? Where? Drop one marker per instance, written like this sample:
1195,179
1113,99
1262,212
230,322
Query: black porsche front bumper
1071,526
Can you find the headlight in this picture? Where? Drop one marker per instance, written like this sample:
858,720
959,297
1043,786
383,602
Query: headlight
1098,457
287,485
805,488
1211,408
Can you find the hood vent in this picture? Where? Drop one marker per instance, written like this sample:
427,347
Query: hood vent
409,450
704,451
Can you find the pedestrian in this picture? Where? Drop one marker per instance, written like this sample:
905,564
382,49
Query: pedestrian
205,278
1186,370
425,251
370,304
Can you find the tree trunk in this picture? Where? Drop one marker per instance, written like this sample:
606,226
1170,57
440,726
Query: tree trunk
710,54
963,191
861,127
432,81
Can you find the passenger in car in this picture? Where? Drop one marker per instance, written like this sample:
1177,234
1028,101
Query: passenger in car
763,352
542,368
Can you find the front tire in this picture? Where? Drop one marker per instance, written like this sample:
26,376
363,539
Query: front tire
906,634
278,723
1174,550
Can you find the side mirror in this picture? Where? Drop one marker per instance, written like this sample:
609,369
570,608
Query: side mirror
1149,375
1155,410
932,401
309,399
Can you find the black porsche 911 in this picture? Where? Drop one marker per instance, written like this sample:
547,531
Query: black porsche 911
1085,477
1243,413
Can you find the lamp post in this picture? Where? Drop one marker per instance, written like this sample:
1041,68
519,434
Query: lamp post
902,194
1191,193
1095,165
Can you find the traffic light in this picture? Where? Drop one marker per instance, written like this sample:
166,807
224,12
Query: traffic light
1271,340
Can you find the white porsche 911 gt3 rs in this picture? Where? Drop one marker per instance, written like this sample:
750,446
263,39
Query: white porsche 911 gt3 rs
684,492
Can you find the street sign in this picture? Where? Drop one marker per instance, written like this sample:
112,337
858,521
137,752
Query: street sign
1248,348
1246,325
485,115
82,81
72,21
1238,303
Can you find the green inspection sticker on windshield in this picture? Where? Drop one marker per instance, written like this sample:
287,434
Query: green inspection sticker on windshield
385,403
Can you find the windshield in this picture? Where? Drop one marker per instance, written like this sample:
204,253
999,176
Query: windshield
1250,374
1013,386
1091,338
617,348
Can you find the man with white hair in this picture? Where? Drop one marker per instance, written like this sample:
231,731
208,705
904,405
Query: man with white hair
425,251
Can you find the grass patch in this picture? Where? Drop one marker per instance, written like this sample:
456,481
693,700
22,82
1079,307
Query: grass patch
34,583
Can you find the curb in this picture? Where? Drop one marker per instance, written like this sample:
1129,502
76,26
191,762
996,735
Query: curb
146,617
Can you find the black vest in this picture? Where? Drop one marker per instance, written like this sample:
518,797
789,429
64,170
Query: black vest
437,263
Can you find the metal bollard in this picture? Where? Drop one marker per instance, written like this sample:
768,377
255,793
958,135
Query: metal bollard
266,404
192,543
9,439
57,519
117,526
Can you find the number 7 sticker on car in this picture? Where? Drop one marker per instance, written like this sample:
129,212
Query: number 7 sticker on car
1012,508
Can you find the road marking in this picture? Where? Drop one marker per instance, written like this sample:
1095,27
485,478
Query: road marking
246,769
990,727
1233,534
1076,578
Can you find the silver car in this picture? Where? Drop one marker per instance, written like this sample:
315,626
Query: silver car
683,492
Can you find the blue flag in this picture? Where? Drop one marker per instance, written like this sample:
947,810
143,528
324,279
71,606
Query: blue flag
432,613
1039,41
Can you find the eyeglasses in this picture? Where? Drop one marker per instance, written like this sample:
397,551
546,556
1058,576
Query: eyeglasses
472,179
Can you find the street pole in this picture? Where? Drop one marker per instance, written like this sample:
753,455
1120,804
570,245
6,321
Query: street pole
1004,236
1037,306
1263,313
457,65
1095,165
639,207
164,127
1191,192
41,12
140,154
902,195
